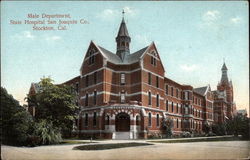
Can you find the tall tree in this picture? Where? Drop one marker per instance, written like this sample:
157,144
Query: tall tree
15,121
55,103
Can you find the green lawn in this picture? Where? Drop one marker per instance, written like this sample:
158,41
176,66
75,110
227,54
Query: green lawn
109,146
208,139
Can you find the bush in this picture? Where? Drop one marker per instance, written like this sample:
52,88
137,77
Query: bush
210,134
185,134
46,133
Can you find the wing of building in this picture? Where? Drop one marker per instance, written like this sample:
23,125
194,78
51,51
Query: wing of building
125,95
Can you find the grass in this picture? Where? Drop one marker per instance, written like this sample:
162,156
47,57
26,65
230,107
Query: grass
208,139
109,146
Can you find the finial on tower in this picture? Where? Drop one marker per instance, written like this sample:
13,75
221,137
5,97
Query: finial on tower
123,12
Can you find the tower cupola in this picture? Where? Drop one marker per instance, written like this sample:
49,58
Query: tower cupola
123,40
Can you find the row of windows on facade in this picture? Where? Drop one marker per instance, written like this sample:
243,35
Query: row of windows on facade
107,120
177,124
195,112
94,79
123,98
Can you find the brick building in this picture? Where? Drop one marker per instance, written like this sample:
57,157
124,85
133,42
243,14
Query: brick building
126,95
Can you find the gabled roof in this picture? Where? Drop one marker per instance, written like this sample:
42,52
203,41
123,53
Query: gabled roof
202,90
35,86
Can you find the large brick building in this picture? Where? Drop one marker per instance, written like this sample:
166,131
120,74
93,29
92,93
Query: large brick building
126,95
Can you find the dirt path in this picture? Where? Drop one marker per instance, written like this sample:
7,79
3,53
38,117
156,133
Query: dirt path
197,150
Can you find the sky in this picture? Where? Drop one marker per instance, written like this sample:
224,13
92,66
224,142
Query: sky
193,39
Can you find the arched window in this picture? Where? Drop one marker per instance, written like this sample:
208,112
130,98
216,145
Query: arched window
94,119
137,120
123,43
157,120
177,123
149,119
149,98
86,119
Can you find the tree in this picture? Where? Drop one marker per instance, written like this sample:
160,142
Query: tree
167,125
239,125
15,121
56,104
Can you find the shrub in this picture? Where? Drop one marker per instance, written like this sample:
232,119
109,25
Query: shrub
47,133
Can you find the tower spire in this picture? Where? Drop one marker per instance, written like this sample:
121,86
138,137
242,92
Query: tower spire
123,40
224,77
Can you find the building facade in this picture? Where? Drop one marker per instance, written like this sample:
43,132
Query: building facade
125,95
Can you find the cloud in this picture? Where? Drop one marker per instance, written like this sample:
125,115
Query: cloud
211,16
236,20
129,10
24,35
52,38
110,14
189,68
142,39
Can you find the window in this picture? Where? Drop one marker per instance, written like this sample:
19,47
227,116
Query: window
157,100
122,97
177,92
177,123
172,106
91,56
149,78
153,58
149,119
177,108
94,99
172,91
87,81
86,119
87,99
95,77
94,119
186,109
157,81
137,120
107,120
166,89
167,105
181,109
157,120
122,78
149,98
77,87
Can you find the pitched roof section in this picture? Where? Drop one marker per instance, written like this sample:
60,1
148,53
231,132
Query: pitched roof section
123,31
202,90
129,59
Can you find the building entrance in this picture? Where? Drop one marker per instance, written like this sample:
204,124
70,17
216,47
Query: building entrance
122,122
